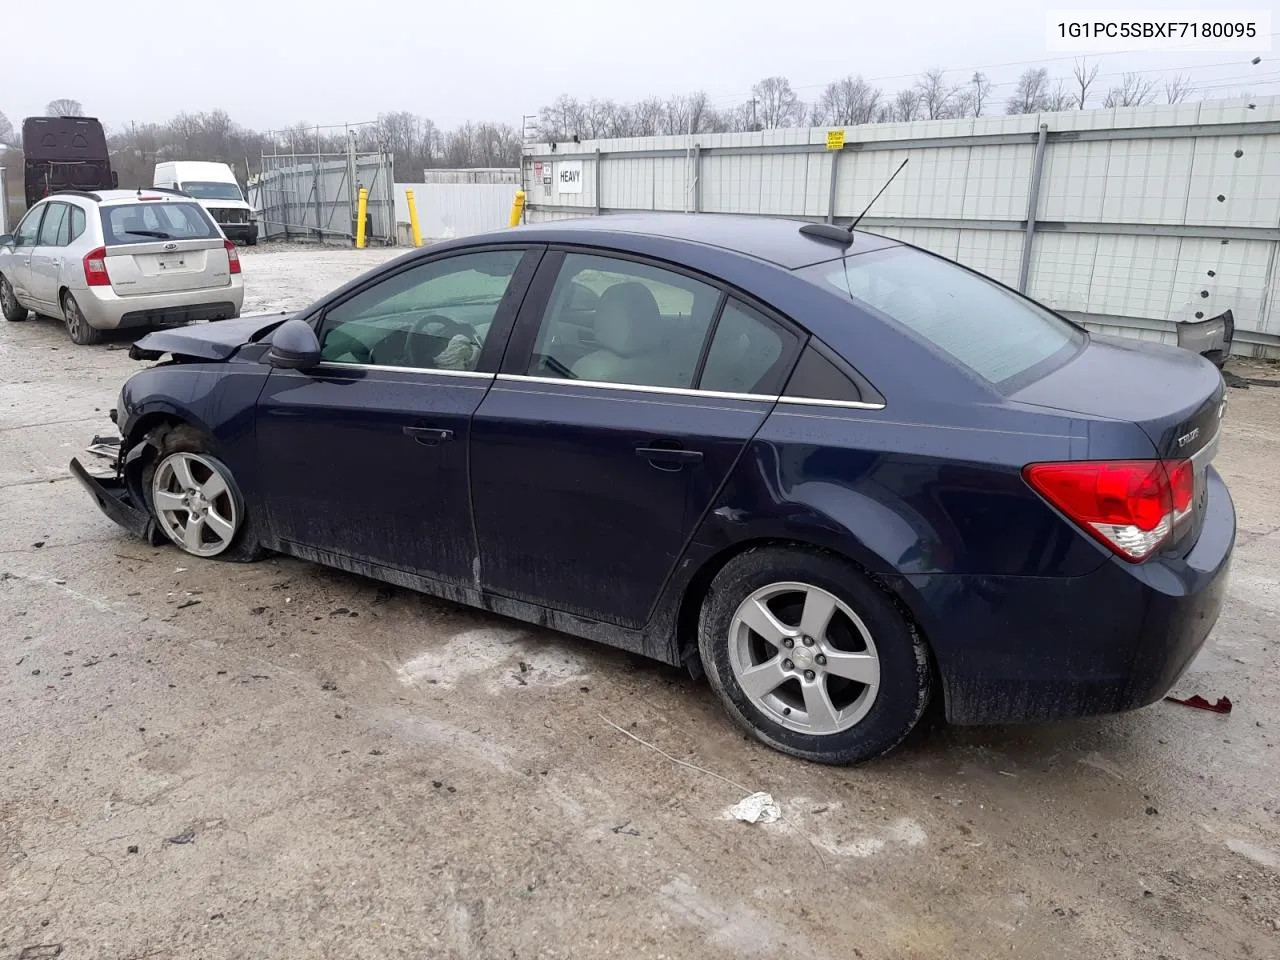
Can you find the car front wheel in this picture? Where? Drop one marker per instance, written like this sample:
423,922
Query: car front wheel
812,657
13,311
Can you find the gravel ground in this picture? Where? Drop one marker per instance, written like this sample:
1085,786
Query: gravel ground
275,760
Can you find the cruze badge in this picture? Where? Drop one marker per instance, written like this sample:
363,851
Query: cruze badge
1188,437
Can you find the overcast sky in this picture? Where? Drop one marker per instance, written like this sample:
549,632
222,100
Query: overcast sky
274,63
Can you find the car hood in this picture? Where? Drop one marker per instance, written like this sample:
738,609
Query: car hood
217,340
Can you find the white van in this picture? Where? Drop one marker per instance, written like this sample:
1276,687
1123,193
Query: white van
214,186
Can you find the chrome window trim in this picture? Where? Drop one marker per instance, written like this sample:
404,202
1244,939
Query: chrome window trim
639,387
338,366
691,392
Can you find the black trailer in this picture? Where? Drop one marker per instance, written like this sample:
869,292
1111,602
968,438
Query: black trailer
64,153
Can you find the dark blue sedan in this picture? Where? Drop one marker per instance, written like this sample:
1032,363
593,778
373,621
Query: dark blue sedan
836,472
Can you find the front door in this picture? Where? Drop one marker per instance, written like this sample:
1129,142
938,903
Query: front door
595,454
365,456
25,238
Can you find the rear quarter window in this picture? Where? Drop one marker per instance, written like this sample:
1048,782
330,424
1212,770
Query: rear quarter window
996,334
147,222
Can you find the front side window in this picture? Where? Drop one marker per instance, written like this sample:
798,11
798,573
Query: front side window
619,321
980,325
29,229
54,231
155,220
435,316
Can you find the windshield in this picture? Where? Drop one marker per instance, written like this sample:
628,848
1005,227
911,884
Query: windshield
992,331
208,190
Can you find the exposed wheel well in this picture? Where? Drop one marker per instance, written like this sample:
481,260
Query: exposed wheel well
691,602
62,292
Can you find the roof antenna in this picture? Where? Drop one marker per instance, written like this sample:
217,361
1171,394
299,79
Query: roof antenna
853,226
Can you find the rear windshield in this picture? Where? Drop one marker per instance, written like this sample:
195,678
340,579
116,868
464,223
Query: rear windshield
991,331
156,220
208,190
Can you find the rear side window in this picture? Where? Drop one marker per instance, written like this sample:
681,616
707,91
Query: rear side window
749,353
818,378
985,328
146,222
77,223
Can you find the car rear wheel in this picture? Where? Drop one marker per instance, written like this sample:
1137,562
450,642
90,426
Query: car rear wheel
13,311
812,657
196,501
77,326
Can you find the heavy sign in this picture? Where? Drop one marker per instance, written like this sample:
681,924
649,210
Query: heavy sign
569,176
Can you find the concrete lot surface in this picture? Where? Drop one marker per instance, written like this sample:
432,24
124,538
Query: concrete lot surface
202,759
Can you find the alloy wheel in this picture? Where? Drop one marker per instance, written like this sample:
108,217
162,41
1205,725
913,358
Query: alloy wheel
194,504
804,658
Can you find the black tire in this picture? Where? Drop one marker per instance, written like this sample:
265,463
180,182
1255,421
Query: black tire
252,241
13,311
77,326
905,679
246,547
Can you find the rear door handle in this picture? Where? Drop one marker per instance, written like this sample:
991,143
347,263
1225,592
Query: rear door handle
429,436
669,454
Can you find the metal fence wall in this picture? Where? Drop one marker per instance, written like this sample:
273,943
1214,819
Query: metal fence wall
472,175
448,210
1130,219
314,196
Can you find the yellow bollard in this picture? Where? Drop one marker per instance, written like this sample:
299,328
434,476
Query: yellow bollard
413,218
517,208
362,208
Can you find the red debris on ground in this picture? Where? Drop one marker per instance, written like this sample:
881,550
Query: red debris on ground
1200,703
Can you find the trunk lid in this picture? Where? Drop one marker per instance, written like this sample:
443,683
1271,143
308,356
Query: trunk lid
1174,396
166,266
207,341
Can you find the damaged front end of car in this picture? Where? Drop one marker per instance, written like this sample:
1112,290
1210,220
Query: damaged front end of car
116,496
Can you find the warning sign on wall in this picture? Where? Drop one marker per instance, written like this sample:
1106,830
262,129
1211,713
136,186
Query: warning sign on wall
835,139
569,176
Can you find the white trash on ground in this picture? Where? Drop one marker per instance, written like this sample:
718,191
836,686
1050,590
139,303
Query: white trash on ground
757,808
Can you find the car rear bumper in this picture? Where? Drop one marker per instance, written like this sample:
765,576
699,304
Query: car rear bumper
1029,648
104,309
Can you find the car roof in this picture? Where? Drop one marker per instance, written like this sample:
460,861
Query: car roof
777,240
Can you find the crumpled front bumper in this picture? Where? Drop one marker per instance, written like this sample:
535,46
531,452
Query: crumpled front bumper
114,498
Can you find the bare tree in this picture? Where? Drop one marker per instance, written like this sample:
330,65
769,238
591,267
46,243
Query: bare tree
979,93
64,108
1133,91
1175,90
847,102
1031,92
6,134
906,104
1085,74
1059,98
937,96
776,103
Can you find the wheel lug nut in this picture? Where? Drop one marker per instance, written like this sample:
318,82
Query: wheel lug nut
788,642
820,660
808,641
809,674
788,665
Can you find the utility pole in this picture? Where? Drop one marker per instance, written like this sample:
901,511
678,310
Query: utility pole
754,125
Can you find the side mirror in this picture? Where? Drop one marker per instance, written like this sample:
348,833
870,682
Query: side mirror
294,346
115,180
6,240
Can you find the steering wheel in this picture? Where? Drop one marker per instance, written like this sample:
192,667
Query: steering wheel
430,334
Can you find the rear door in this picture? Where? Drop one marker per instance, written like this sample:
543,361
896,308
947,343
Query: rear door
46,257
162,246
595,454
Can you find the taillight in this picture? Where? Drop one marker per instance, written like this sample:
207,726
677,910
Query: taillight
1131,506
233,256
95,268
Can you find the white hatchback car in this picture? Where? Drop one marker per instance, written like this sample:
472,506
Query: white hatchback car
119,258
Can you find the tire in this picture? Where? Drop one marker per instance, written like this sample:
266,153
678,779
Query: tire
77,326
812,708
13,311
225,529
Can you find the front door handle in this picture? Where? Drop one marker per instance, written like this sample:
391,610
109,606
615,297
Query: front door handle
428,436
673,455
